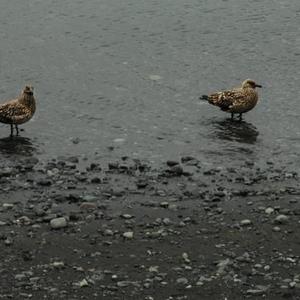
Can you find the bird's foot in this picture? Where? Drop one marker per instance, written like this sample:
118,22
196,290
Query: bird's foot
17,130
11,130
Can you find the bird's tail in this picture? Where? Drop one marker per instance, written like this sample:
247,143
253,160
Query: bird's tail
204,97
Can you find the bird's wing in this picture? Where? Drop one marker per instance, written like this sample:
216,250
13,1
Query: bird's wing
226,99
12,110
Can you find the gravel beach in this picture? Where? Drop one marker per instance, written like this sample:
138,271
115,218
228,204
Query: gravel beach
75,229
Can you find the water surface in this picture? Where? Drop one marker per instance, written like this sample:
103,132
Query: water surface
127,75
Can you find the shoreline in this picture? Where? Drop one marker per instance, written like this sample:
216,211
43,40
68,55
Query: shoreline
127,230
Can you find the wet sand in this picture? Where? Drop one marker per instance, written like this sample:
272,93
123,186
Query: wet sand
76,229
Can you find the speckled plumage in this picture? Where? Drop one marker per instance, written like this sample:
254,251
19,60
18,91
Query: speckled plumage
20,110
236,101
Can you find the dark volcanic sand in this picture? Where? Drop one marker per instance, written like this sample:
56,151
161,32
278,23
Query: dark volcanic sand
130,231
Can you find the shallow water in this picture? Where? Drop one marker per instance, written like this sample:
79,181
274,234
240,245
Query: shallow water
128,75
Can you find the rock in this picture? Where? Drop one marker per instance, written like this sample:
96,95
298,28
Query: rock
24,220
127,216
128,235
7,205
245,222
58,264
267,268
58,223
222,266
75,140
108,232
281,219
8,242
30,162
94,167
44,182
88,206
176,170
153,269
172,163
20,276
258,290
182,281
73,159
96,180
89,198
155,77
117,191
83,283
164,204
276,229
185,159
269,210
6,172
141,183
167,221
123,283
185,257
113,165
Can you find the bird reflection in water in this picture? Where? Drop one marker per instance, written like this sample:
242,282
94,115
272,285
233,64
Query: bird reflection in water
16,146
242,132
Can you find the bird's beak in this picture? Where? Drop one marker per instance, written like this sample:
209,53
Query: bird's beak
258,85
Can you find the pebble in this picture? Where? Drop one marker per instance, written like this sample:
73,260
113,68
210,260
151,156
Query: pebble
58,264
164,204
176,170
245,222
269,210
108,232
24,220
182,281
185,257
127,216
87,198
8,242
58,223
20,276
119,140
172,163
166,221
128,235
88,206
281,219
83,283
123,283
7,205
155,77
255,292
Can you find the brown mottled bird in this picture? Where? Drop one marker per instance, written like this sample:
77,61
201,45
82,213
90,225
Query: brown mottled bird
18,111
235,101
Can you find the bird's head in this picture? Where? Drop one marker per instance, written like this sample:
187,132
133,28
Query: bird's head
28,90
249,83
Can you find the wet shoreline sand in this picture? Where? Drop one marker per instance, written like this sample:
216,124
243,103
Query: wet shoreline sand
127,230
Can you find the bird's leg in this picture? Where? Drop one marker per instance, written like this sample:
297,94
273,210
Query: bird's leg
240,117
232,116
17,129
11,130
